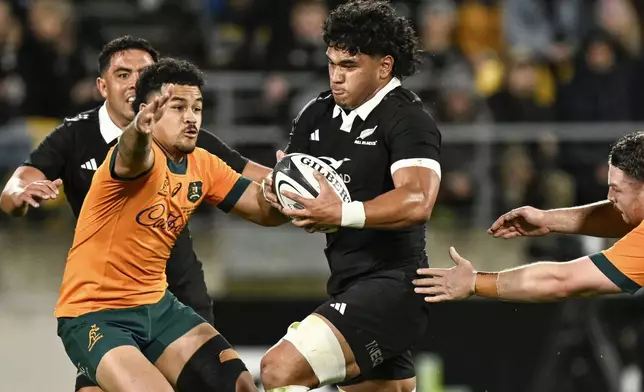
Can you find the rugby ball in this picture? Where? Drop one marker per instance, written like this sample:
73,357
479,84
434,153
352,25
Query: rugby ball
294,173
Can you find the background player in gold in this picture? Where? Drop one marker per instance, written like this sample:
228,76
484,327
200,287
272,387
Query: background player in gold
119,324
615,270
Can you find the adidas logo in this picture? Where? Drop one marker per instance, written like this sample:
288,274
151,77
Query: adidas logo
315,135
340,307
90,165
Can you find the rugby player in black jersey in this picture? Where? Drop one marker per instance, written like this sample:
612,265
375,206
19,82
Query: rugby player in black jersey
380,139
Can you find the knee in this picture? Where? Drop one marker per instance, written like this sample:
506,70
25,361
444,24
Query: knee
272,374
279,369
215,367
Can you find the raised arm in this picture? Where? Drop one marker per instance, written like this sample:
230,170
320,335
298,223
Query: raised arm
135,155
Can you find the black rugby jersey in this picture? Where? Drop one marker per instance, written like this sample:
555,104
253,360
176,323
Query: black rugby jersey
76,148
365,146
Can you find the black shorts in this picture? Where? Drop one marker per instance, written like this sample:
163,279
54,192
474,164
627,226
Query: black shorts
381,318
189,286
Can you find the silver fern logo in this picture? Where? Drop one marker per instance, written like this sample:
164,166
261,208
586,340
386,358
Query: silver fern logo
365,134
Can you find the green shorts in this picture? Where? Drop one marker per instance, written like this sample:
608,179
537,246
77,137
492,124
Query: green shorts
150,328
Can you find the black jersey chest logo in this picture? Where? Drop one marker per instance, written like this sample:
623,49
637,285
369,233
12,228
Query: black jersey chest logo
365,137
194,191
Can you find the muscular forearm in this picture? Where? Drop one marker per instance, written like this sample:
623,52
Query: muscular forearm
135,153
401,207
538,282
256,209
255,171
598,219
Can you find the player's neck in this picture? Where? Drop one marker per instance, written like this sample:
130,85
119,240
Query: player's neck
175,156
380,86
120,122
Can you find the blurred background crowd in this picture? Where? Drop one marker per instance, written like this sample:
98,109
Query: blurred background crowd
486,63
528,94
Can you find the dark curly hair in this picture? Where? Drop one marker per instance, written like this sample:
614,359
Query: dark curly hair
166,70
371,27
627,154
119,45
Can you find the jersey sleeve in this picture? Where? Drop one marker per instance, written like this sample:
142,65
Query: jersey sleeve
224,185
414,140
52,154
301,129
623,263
216,146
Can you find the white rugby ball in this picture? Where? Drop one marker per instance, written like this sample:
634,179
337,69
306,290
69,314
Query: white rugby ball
294,173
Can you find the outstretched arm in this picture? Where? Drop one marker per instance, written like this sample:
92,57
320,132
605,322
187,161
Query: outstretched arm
253,207
537,282
598,219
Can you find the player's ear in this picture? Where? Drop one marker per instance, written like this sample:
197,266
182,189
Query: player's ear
386,66
142,106
102,86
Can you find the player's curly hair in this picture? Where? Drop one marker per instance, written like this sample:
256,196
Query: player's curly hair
627,154
119,45
371,27
165,71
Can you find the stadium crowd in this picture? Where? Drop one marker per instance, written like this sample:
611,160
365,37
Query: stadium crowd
485,62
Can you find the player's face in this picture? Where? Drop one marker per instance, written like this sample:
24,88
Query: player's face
355,78
627,195
117,83
178,129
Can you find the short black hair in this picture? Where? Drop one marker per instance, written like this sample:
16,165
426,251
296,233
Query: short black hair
165,71
372,27
627,154
121,44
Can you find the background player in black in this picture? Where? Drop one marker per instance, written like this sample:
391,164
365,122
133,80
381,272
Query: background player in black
379,138
74,150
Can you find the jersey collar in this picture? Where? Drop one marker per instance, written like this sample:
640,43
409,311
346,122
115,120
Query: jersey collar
366,108
109,130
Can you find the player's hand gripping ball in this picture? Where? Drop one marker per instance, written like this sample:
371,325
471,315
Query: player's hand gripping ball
294,173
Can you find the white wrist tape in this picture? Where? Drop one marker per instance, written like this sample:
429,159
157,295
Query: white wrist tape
353,215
